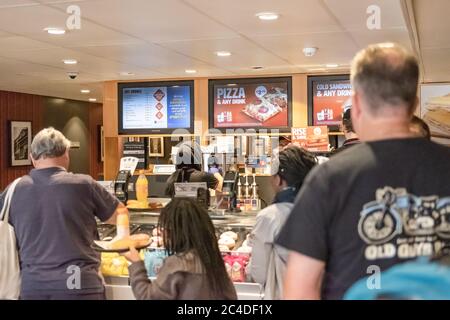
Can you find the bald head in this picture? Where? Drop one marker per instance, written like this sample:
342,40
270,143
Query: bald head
386,75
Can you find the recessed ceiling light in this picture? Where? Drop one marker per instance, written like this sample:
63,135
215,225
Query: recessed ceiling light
267,16
70,61
92,99
126,73
223,53
386,45
190,71
309,51
317,69
55,31
332,65
85,91
232,84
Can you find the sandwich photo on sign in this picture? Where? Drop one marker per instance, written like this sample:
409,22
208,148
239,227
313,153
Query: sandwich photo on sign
435,110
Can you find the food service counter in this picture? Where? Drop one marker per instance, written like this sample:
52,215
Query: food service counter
117,281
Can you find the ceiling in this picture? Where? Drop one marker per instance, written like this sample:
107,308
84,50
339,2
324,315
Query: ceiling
155,39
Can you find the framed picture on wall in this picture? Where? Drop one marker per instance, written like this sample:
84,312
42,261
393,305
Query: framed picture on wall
101,143
156,147
435,110
20,143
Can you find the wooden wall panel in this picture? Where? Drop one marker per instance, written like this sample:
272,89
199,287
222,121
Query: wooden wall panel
95,120
28,107
20,107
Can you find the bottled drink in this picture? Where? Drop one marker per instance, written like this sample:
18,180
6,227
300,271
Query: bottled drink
142,189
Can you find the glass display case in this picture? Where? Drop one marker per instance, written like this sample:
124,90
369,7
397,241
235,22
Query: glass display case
231,230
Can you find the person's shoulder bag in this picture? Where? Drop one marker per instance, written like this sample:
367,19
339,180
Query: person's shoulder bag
9,256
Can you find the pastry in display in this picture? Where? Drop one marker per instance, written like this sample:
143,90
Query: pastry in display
157,241
227,241
223,248
230,234
156,232
134,204
136,241
155,205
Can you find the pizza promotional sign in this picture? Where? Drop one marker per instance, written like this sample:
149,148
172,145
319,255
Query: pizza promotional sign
263,105
313,138
329,99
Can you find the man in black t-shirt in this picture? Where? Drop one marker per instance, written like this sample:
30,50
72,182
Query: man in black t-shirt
385,201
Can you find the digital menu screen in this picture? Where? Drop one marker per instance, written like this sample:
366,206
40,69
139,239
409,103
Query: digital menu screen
250,103
327,98
155,107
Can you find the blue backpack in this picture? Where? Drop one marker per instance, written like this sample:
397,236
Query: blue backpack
421,279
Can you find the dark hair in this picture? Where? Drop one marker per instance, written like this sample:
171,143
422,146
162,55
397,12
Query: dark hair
386,74
189,156
294,165
424,129
187,227
347,120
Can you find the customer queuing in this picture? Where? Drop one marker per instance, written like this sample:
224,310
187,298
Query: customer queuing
381,203
268,261
53,213
194,269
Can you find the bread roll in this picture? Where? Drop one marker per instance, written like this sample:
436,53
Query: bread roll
135,240
223,248
227,241
230,234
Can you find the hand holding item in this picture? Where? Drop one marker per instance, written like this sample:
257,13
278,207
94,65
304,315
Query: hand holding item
132,255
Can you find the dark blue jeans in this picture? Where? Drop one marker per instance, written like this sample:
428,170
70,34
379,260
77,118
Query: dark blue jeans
61,295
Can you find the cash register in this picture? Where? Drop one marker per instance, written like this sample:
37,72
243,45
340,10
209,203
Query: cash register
229,190
121,185
127,167
193,190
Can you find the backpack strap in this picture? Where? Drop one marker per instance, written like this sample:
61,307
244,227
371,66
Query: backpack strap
4,214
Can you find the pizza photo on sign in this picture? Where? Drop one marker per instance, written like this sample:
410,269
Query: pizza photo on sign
267,105
264,103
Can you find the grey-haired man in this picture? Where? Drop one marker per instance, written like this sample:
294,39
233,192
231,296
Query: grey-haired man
53,213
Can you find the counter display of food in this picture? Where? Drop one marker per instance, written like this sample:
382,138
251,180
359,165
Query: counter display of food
232,230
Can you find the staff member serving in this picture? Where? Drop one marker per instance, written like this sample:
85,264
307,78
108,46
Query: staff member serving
189,169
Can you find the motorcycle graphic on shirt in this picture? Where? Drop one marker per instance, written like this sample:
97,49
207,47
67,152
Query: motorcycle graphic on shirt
396,211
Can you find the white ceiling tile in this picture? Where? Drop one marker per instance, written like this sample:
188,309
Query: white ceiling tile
433,22
295,16
16,3
352,15
334,47
244,53
30,19
155,20
398,35
18,43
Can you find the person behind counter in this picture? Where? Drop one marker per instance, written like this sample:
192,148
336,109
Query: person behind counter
188,163
194,269
53,213
268,261
351,138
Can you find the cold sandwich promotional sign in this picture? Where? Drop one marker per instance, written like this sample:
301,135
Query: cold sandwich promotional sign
329,99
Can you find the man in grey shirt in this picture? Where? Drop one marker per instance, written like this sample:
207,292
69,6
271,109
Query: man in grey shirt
53,213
